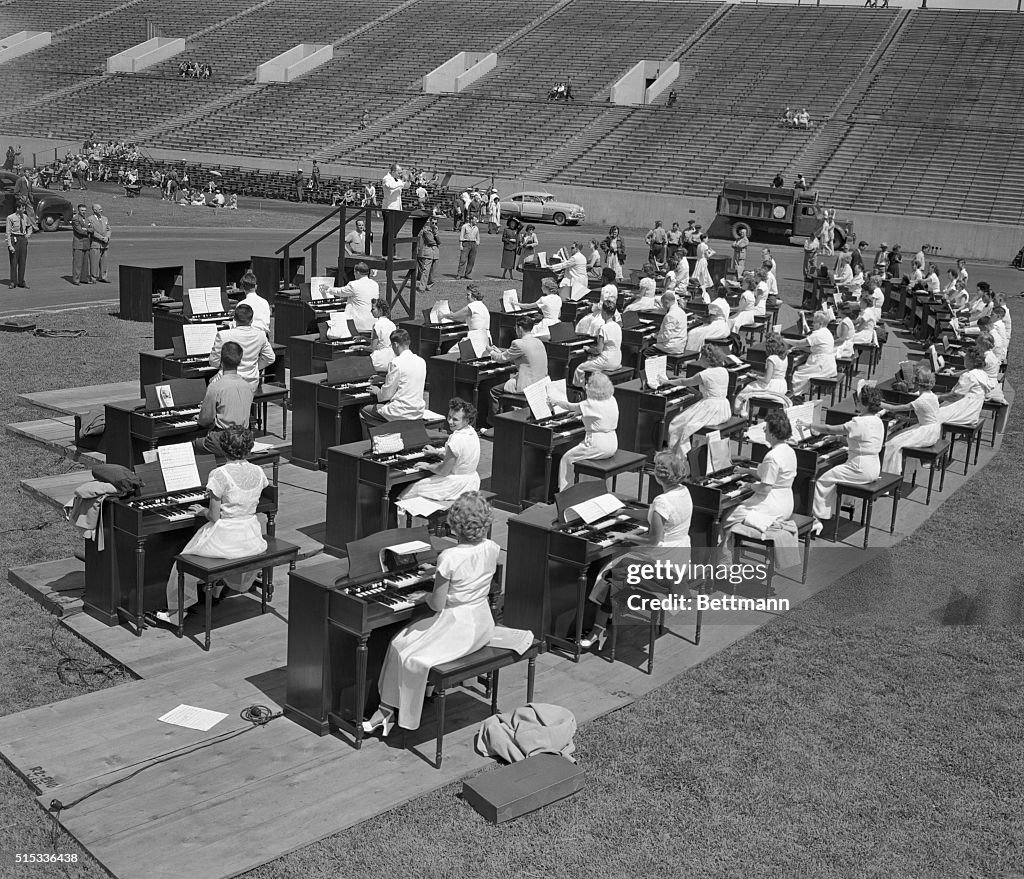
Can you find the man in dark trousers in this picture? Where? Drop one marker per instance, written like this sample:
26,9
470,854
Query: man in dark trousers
19,228
81,241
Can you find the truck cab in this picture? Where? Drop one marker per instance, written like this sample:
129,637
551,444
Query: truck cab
768,214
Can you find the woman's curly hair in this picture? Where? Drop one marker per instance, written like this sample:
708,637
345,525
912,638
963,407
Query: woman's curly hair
470,517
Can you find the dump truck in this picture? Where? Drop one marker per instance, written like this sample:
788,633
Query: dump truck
769,214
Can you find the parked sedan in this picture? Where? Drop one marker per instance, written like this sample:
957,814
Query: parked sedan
51,209
541,207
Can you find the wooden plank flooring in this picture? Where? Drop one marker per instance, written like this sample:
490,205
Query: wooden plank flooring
78,401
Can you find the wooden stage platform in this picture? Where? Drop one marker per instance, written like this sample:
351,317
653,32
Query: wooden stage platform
210,805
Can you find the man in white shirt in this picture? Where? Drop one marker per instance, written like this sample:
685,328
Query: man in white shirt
575,268
529,355
260,307
355,241
672,332
359,295
401,396
393,183
256,351
469,238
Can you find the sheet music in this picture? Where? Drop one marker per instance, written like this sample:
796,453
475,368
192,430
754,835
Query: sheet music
803,415
320,288
440,307
559,256
510,301
537,398
205,300
559,389
409,547
164,396
337,327
907,370
420,506
578,291
596,508
178,465
756,433
481,340
656,371
199,338
190,717
542,259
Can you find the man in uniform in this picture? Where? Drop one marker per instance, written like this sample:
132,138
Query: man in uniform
81,242
19,228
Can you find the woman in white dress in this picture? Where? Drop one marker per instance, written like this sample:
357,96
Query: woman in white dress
762,290
747,308
846,330
991,366
773,382
600,418
381,352
606,353
590,324
232,530
927,431
668,540
528,242
550,303
821,359
614,248
594,260
962,406
458,472
773,494
462,621
865,435
866,325
826,233
713,407
474,313
700,271
717,326
844,273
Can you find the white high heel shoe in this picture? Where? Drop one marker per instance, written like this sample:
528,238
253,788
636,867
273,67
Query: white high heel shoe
383,719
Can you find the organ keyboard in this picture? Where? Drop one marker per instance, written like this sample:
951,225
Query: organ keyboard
714,496
133,427
645,413
339,627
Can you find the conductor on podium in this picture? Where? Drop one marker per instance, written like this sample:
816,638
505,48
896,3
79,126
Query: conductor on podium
393,183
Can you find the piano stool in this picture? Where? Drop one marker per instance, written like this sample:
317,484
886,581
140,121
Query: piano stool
755,331
265,394
767,547
618,376
887,483
759,406
820,385
724,345
735,424
209,569
613,467
675,362
937,455
847,367
998,410
971,432
511,400
437,522
873,352
487,661
655,618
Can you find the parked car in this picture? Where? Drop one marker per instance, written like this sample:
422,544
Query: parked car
541,207
51,209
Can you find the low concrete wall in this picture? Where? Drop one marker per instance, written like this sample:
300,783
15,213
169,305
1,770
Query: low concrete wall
628,89
486,63
663,83
22,43
458,72
145,55
298,60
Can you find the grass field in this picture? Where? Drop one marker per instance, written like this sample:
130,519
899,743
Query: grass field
867,733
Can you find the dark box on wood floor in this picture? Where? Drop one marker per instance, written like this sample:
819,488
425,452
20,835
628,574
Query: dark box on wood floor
522,787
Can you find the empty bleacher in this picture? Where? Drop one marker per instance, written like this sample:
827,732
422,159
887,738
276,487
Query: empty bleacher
594,42
31,15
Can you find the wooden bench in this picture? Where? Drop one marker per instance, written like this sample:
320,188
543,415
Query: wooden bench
266,394
208,570
998,409
767,547
886,484
935,455
820,385
970,432
655,619
437,522
487,661
613,467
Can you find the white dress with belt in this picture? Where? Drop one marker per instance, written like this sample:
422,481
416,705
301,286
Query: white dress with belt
600,418
464,626
464,445
700,271
845,332
821,362
381,352
865,435
927,431
778,472
965,412
712,409
772,385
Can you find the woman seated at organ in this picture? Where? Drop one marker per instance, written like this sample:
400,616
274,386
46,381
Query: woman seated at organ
457,472
962,406
606,353
821,358
600,413
773,495
713,407
926,432
550,305
231,531
865,434
773,383
474,313
747,308
381,352
462,622
717,326
850,313
668,519
866,326
991,366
